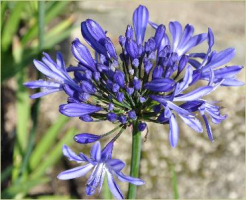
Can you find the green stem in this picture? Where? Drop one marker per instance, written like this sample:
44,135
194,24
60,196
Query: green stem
174,183
135,161
41,23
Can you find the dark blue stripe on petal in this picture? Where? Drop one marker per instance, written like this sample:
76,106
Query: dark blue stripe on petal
176,31
221,58
194,41
209,130
96,151
140,21
113,187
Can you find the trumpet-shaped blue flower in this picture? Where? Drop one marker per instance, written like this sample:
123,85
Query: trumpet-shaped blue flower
102,163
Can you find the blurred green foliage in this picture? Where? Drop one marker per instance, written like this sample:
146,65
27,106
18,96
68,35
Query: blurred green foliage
20,30
27,29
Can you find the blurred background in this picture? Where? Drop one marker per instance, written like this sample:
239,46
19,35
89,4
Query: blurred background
33,132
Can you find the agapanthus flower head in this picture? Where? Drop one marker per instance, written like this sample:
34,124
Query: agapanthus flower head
148,82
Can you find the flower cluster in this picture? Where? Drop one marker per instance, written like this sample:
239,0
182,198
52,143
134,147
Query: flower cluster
148,82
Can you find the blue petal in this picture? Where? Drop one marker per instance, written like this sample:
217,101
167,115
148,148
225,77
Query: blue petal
194,41
157,72
216,118
78,68
186,80
195,94
75,172
161,99
46,92
107,151
198,55
115,164
232,82
60,62
187,34
95,29
176,31
132,48
129,32
159,34
192,106
42,84
174,131
71,155
87,87
96,151
85,138
78,109
164,42
93,34
182,63
194,63
153,24
47,60
210,38
192,122
225,72
110,48
136,181
95,179
119,78
113,187
46,71
178,109
160,85
140,21
209,130
221,58
101,181
58,71
82,54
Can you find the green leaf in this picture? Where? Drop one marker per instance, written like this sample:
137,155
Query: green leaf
41,24
3,9
9,68
6,173
53,197
174,183
56,39
11,26
54,155
54,10
59,28
24,187
56,34
23,112
46,142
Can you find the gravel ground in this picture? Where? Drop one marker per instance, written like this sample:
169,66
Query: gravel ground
204,169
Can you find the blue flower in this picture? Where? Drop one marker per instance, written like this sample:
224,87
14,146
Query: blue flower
56,74
102,163
156,79
140,21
